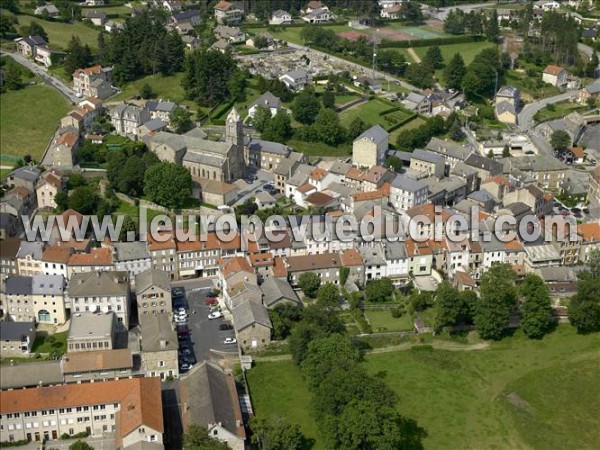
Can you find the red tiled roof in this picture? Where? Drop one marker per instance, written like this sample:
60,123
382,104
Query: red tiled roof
318,174
88,71
230,266
551,69
351,257
306,187
96,257
590,232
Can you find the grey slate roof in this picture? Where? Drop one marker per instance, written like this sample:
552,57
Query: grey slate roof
33,374
105,283
14,331
211,397
376,134
249,313
503,107
427,156
157,327
150,277
197,133
275,289
481,196
394,250
154,124
461,169
300,175
448,148
408,184
130,251
18,285
32,249
284,167
268,146
413,97
161,105
481,162
508,91
268,100
296,74
340,168
594,87
27,173
47,285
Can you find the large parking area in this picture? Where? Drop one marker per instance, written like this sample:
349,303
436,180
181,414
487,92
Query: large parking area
200,336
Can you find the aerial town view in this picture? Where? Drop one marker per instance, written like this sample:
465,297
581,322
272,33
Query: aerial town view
300,225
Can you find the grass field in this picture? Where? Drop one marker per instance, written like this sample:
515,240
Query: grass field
319,148
518,393
59,33
466,50
28,118
369,112
120,11
45,343
557,110
383,321
417,122
134,212
163,87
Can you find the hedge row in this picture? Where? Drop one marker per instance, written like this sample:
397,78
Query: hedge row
402,122
430,42
390,110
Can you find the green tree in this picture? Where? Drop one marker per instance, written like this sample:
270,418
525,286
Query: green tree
536,306
328,99
207,75
592,66
197,438
7,25
168,184
506,151
356,128
12,78
447,307
379,290
454,72
75,180
80,445
262,116
131,178
456,132
62,201
279,128
181,120
420,74
344,274
497,299
306,107
129,225
237,85
34,29
328,295
327,353
327,127
78,55
394,163
276,433
560,140
309,282
492,29
433,58
283,316
85,199
146,91
584,307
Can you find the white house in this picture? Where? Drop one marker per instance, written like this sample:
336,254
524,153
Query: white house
322,15
280,17
555,75
296,79
267,100
406,192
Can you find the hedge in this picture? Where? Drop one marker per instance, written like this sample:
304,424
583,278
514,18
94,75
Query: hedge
391,110
402,122
430,42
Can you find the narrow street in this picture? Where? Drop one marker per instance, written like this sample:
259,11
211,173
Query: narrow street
529,110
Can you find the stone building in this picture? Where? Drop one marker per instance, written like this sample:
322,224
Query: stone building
370,147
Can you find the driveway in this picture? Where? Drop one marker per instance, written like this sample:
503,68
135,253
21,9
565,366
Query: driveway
527,113
205,333
43,74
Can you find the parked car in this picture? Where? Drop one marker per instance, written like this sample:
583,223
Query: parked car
225,327
215,315
211,301
185,351
180,310
177,292
212,294
230,341
183,330
180,320
184,367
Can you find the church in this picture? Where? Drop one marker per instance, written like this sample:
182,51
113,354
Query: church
205,159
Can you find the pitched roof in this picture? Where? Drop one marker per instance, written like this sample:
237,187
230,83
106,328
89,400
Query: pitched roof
14,331
57,254
105,283
318,174
351,257
589,231
318,199
275,289
551,69
249,313
269,100
303,263
75,362
157,333
96,257
376,134
9,248
140,400
233,265
152,277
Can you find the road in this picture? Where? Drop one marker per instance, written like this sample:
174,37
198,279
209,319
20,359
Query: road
48,79
355,67
442,13
527,113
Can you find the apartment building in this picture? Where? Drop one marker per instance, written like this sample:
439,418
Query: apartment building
29,258
91,331
93,81
55,260
131,257
39,298
153,292
406,193
97,260
17,338
130,408
159,346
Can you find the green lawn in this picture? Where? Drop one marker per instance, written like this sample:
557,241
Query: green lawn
557,110
382,321
28,118
163,87
519,393
369,112
467,50
59,33
121,11
417,122
45,343
134,212
319,148
530,87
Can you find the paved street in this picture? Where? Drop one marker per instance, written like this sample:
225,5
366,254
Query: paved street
205,333
442,13
48,79
527,113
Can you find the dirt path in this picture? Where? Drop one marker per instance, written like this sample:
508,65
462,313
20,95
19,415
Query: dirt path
438,345
413,54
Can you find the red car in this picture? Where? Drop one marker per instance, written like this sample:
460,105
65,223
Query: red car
211,301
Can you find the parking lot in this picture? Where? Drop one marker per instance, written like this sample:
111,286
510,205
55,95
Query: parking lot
204,333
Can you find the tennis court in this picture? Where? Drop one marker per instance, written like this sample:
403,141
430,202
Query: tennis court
409,33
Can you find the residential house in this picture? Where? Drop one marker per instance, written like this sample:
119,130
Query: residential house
406,192
313,5
64,147
185,21
96,260
391,12
49,184
428,163
418,103
232,35
93,81
131,257
126,118
229,12
369,149
17,340
47,56
547,171
280,17
163,252
252,325
318,16
209,399
277,291
55,260
288,166
29,258
592,90
8,256
326,265
47,9
420,257
128,412
28,45
25,176
153,292
267,100
369,83
453,152
589,240
159,346
91,331
507,102
265,154
101,291
39,298
594,186
535,198
555,75
151,127
486,168
296,79
97,18
396,261
161,109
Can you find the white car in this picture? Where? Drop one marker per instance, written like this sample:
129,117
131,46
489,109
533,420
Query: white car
181,311
230,341
215,315
180,319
